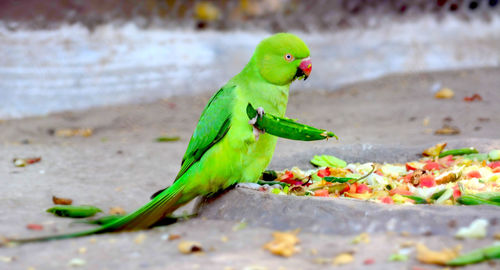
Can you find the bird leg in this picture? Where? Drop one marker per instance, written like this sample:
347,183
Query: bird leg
257,131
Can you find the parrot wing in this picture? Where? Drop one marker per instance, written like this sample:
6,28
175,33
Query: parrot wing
212,127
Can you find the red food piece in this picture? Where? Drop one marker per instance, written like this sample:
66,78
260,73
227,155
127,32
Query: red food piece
427,181
446,161
494,165
456,192
401,190
496,170
431,165
324,172
474,174
408,177
34,227
379,172
321,193
387,200
289,178
362,188
369,261
473,98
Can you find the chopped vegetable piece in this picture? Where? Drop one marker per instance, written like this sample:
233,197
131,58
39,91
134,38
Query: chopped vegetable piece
458,152
321,193
477,229
72,211
167,139
416,199
427,181
429,166
474,174
387,200
287,128
328,161
476,256
494,155
283,243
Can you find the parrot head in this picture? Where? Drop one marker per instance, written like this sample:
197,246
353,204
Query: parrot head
282,58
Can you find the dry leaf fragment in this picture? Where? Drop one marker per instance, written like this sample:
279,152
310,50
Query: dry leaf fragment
447,130
84,132
435,150
361,238
444,93
425,255
62,201
173,237
188,247
343,258
117,211
496,236
140,238
283,243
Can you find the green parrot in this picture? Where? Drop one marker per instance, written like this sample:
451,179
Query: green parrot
225,147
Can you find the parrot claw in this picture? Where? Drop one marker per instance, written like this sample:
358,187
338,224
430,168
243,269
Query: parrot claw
256,131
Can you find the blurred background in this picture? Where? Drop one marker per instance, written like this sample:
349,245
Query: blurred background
75,54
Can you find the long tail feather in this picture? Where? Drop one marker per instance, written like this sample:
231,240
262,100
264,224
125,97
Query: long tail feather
163,204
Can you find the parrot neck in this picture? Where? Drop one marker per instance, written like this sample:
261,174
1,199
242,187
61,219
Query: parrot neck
273,98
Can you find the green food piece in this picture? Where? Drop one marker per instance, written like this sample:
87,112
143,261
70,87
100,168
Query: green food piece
328,161
448,193
494,155
262,182
476,256
478,157
398,257
350,180
490,196
475,200
167,139
458,152
74,211
438,194
269,175
418,200
287,128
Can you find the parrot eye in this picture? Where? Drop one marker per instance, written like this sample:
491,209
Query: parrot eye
289,57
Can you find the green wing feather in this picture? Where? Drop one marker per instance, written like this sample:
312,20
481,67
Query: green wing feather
212,127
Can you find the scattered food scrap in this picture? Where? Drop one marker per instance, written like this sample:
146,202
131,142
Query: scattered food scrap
188,247
477,256
61,201
361,238
283,243
34,227
72,211
117,211
444,93
83,132
369,261
477,229
239,226
425,255
398,257
447,130
475,97
343,258
6,259
167,139
23,162
76,262
139,239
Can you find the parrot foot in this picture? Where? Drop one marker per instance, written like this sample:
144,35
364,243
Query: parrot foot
256,131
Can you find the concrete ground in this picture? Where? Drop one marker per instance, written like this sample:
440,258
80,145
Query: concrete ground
121,165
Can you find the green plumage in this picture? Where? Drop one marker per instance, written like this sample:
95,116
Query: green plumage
223,149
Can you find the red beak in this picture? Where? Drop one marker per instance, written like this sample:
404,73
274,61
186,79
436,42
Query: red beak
306,66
